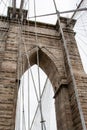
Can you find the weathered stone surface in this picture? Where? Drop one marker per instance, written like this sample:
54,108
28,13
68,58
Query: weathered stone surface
54,62
9,66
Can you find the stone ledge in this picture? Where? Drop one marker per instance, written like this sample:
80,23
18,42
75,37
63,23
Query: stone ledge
63,84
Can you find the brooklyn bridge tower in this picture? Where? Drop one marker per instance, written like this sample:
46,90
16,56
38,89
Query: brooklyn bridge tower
53,48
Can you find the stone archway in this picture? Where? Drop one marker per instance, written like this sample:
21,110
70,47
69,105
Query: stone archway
62,104
27,93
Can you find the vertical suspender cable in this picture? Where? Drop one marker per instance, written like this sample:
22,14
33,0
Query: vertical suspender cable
28,88
18,127
23,110
38,69
22,114
71,71
27,55
22,90
39,90
44,88
14,6
19,73
75,12
21,7
28,102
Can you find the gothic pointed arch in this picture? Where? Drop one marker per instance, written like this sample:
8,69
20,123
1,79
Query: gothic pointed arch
46,63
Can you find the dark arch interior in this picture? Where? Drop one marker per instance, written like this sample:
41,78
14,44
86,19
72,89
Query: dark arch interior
45,63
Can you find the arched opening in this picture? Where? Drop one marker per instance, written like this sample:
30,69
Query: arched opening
35,106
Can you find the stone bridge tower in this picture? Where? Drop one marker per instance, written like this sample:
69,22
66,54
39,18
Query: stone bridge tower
60,60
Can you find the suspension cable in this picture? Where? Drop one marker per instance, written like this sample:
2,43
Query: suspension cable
70,67
27,2
20,61
75,12
62,12
14,6
27,56
37,50
29,64
23,85
38,69
44,88
23,100
28,85
39,90
21,6
80,16
19,74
